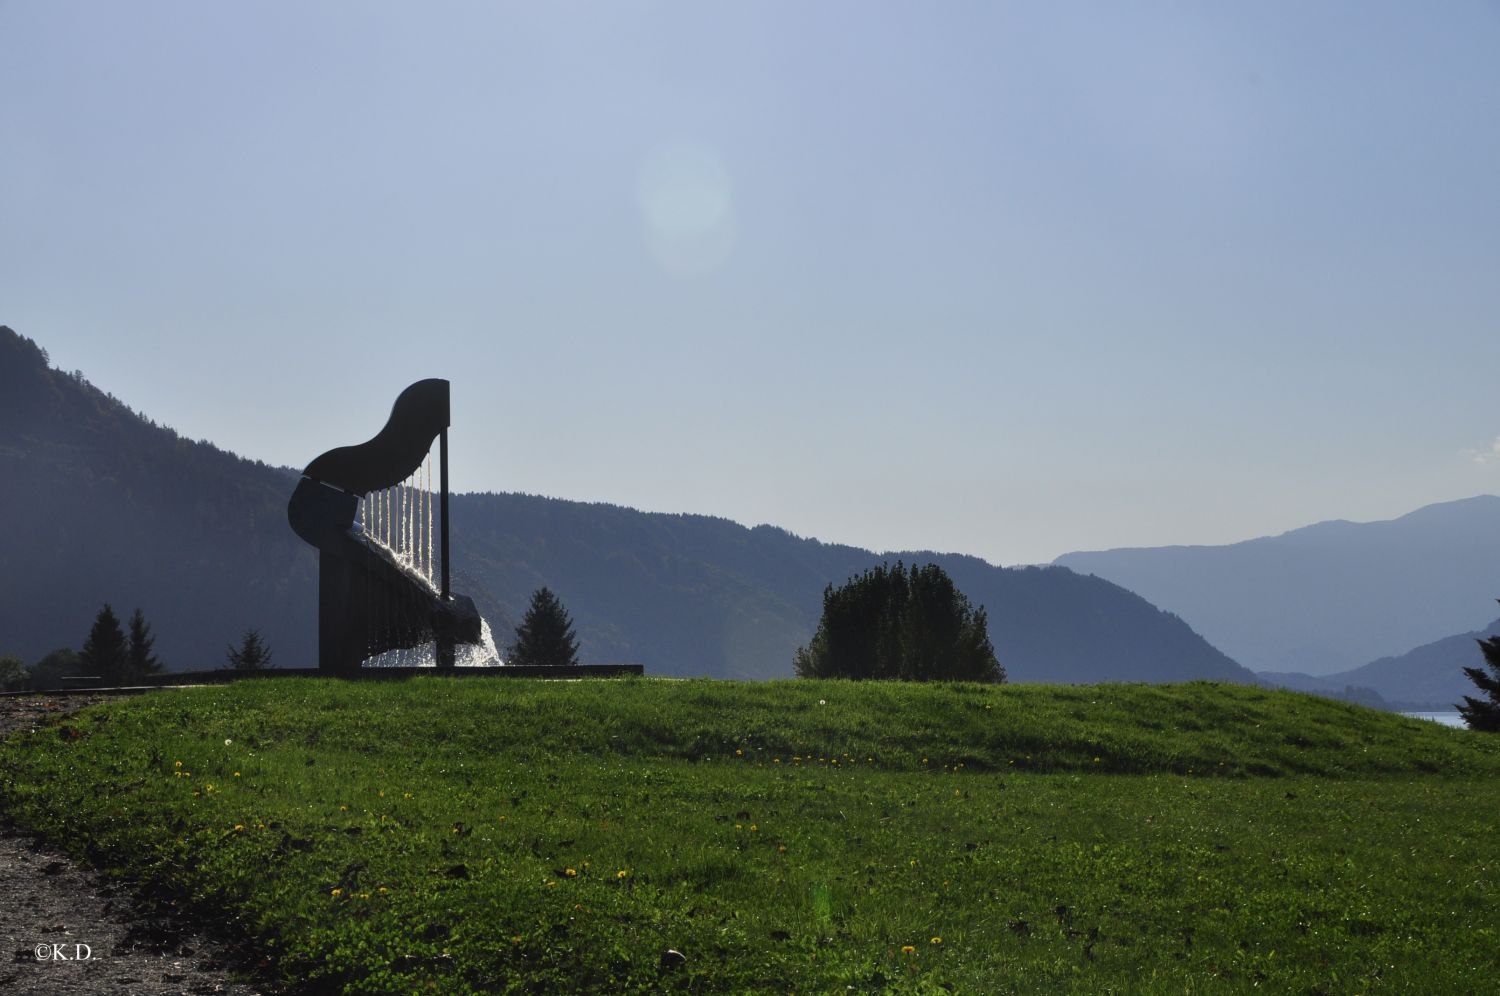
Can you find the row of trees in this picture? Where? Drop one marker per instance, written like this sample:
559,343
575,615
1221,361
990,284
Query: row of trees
114,655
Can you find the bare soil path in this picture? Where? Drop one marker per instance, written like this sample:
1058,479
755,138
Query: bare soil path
66,931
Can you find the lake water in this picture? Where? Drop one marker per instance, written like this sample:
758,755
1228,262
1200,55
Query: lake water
1446,718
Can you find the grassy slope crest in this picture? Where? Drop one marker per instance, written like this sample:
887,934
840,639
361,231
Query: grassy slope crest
476,836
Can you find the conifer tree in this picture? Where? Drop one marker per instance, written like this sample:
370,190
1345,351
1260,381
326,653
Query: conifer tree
899,623
140,660
1484,714
545,635
252,655
105,654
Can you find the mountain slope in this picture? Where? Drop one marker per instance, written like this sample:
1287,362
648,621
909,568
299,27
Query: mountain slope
114,508
102,505
1326,598
1429,676
689,594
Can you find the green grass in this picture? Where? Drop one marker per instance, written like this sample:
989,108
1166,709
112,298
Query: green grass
453,835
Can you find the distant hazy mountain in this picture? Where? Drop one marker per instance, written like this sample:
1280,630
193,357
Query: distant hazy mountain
1431,676
103,505
1329,597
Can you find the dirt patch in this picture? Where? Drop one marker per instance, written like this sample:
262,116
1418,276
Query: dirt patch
67,931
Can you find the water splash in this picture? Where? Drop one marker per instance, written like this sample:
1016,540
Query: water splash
481,654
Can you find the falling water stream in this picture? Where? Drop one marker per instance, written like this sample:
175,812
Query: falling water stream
399,522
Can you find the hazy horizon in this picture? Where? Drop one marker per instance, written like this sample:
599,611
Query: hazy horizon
1007,280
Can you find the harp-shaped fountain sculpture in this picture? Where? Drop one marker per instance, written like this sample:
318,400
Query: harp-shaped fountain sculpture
376,585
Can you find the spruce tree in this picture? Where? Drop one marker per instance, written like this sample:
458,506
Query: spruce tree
545,635
1484,714
140,660
252,655
105,654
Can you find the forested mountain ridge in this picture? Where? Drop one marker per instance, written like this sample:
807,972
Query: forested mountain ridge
675,591
111,507
103,505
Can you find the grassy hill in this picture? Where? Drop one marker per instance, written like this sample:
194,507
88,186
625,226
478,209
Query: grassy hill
472,835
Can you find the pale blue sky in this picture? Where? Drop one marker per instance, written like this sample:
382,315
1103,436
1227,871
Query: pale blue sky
1010,279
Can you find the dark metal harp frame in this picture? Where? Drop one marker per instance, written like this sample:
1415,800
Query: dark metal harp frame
355,576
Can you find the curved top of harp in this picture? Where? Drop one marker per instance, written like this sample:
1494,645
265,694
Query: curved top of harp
418,416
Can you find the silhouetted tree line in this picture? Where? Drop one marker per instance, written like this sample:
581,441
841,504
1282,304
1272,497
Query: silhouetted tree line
113,656
895,623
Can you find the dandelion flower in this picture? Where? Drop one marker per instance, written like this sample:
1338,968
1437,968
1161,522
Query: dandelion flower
780,848
238,827
570,872
908,949
822,702
335,892
236,774
738,752
227,741
176,764
622,873
936,941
